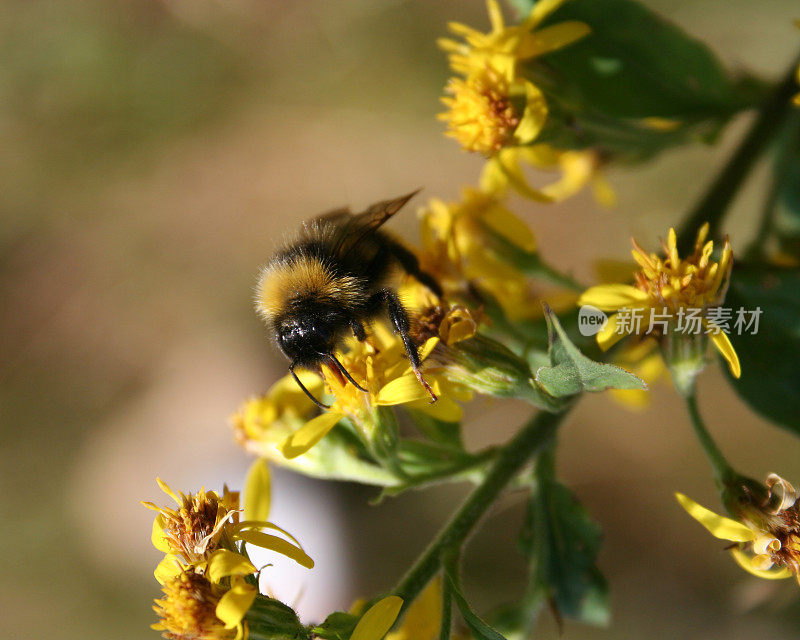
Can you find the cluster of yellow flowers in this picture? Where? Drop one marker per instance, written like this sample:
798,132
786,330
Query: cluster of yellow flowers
208,581
494,109
281,425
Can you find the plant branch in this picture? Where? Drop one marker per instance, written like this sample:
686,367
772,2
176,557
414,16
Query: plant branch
723,471
510,460
714,204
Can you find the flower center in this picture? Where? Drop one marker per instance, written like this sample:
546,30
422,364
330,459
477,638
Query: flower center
481,116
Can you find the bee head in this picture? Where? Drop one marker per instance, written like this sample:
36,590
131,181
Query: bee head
310,335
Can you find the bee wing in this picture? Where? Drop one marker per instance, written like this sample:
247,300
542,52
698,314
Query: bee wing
335,215
361,225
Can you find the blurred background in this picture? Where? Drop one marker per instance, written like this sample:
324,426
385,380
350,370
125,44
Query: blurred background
152,155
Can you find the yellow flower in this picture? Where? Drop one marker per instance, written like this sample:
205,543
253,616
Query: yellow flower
506,45
189,608
197,526
381,366
577,168
481,114
460,248
766,530
263,423
203,531
284,424
672,290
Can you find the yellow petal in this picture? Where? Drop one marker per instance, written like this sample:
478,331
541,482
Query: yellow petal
457,325
611,297
165,488
378,619
168,568
608,336
257,490
279,545
224,563
495,15
428,347
724,346
541,10
424,617
160,541
746,562
444,409
235,603
577,167
506,224
552,38
401,390
603,192
533,116
309,434
258,525
719,526
504,169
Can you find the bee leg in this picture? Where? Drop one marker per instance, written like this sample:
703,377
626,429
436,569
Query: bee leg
410,265
345,373
306,391
401,324
358,330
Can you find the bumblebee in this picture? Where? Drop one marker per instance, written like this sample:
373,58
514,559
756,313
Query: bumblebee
331,281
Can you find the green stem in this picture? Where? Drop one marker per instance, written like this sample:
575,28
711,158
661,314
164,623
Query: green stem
447,612
713,206
723,471
552,275
510,460
786,155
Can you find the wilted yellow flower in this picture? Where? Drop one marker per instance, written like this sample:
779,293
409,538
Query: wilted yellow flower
188,610
196,527
202,533
669,294
578,168
766,528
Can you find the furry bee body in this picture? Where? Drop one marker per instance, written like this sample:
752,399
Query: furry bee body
331,280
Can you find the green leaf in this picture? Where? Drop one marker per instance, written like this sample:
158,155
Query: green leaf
562,542
570,372
636,64
270,618
770,374
489,367
337,626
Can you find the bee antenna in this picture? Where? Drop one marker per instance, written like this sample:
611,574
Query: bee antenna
306,391
344,372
